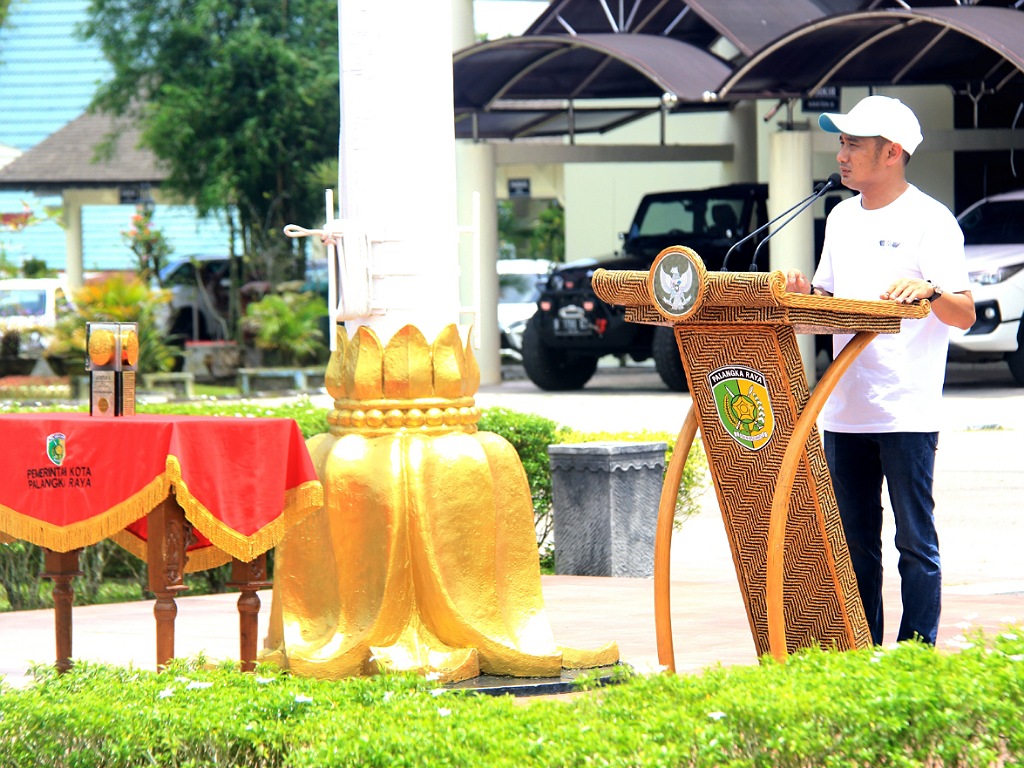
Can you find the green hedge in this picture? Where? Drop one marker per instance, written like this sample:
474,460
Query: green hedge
907,706
529,434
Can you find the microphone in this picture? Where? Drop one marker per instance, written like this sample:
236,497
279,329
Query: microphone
832,181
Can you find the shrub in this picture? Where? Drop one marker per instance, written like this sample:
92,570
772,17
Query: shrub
116,299
909,705
530,435
287,325
20,566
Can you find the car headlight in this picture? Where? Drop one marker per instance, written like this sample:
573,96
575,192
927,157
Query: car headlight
994,276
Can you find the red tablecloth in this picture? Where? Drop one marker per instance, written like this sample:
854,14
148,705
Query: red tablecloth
68,480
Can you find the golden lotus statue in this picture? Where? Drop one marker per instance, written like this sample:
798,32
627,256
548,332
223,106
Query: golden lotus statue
424,556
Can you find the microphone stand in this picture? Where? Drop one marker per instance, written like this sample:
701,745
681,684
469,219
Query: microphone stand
832,181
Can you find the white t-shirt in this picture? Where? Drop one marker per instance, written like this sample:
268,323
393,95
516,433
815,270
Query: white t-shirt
895,385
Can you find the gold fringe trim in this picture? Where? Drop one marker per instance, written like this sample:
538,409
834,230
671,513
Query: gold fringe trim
204,559
81,534
129,541
299,503
227,543
197,560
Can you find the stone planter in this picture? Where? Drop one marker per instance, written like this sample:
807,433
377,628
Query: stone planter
605,500
16,366
71,365
212,359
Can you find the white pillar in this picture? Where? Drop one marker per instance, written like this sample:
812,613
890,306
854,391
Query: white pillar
397,158
790,180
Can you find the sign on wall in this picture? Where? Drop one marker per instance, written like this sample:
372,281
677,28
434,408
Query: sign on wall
518,187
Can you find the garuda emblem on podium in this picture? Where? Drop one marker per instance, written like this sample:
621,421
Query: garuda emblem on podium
676,283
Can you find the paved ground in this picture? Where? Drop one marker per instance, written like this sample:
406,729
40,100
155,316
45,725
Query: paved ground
979,488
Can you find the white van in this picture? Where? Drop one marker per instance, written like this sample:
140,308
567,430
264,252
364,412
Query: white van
994,242
30,305
519,284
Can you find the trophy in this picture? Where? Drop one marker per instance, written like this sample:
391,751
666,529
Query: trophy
112,361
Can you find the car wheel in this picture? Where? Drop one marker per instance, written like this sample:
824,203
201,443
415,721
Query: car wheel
1015,359
667,361
553,369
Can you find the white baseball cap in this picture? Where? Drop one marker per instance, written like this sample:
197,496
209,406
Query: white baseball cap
877,116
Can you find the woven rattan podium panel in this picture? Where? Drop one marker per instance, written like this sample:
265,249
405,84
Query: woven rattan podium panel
737,337
752,377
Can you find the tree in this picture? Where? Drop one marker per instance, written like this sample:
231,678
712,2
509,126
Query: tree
148,244
239,98
547,241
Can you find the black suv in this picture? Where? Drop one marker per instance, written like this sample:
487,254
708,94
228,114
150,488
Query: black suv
572,328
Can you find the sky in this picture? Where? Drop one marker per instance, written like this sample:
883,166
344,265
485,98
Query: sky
499,18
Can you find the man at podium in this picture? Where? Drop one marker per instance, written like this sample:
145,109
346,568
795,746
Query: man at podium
895,243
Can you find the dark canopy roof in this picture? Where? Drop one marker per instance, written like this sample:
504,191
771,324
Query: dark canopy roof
971,48
525,87
583,51
747,25
578,65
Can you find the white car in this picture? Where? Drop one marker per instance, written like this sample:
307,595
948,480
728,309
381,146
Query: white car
519,284
30,306
199,286
994,241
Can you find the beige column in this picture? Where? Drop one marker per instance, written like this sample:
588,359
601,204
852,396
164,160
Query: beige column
477,205
72,205
790,180
742,129
478,251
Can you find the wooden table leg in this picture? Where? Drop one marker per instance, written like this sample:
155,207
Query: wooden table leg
61,568
247,578
167,538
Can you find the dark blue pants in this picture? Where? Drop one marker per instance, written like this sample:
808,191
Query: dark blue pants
906,460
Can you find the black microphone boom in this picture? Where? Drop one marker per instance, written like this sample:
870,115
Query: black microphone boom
832,181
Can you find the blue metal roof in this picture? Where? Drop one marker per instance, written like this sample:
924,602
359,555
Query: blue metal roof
47,75
47,79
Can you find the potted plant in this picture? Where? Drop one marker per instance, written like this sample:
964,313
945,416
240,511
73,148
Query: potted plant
11,362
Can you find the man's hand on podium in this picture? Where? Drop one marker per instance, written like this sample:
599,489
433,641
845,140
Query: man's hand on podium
907,290
956,310
797,282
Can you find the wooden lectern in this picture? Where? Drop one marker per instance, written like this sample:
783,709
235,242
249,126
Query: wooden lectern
736,333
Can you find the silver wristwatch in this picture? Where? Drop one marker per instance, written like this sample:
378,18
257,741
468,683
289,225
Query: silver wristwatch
936,291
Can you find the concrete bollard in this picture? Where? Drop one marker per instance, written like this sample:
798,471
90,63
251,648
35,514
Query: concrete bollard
605,505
